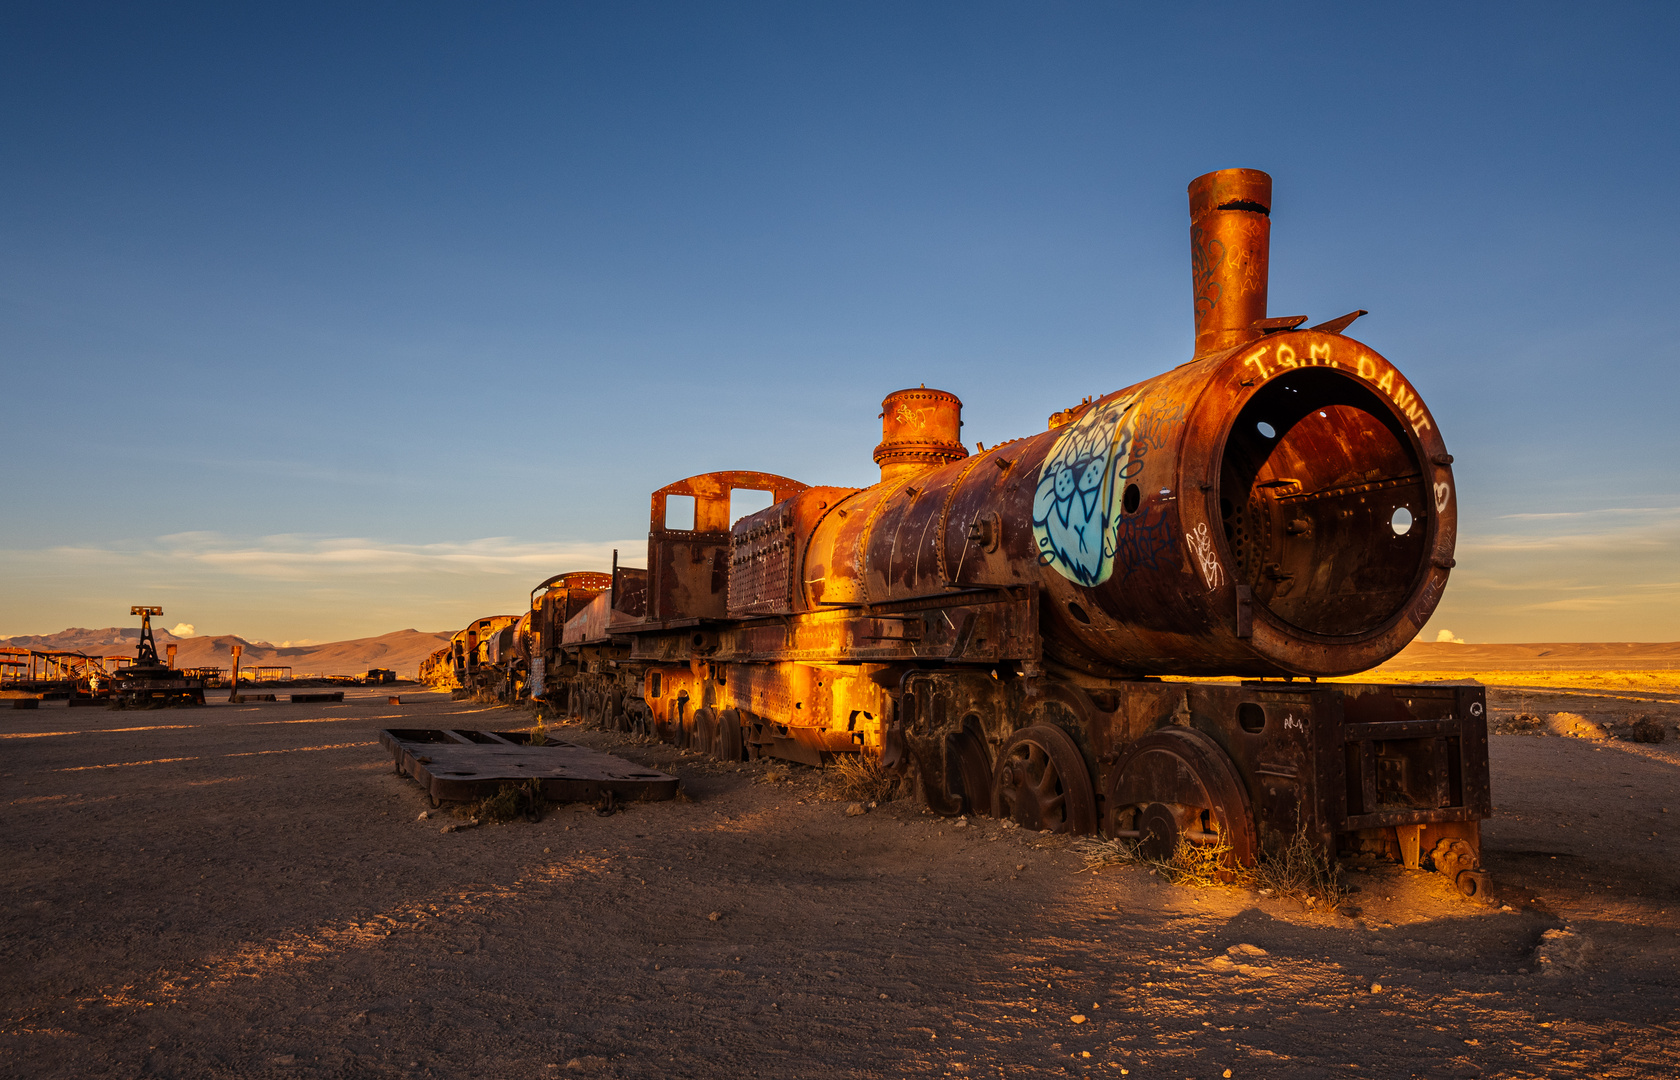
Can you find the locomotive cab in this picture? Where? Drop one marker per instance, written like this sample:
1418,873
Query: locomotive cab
688,567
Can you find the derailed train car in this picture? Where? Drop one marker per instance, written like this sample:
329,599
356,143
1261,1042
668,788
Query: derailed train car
1019,628
477,658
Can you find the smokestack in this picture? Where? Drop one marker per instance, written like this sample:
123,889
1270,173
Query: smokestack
1230,244
921,429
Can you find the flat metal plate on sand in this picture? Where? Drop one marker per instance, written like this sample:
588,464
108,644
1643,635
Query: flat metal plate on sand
460,766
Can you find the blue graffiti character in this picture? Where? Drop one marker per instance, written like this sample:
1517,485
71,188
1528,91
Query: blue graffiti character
1073,505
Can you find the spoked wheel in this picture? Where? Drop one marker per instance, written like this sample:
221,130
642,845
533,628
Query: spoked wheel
1041,782
728,744
1176,784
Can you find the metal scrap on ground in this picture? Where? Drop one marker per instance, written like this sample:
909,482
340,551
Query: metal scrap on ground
458,766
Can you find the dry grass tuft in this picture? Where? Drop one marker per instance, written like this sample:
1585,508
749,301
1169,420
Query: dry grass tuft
1099,852
1197,866
773,774
856,778
1297,872
1300,872
1200,866
512,801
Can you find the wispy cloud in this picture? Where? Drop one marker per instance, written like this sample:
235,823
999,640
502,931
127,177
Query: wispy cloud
1603,512
1577,575
288,586
295,557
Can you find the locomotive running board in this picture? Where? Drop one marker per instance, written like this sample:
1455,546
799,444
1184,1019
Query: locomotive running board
460,766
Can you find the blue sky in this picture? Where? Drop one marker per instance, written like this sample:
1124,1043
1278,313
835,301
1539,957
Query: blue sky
319,321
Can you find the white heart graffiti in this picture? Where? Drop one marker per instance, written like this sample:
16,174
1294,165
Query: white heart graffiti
1442,491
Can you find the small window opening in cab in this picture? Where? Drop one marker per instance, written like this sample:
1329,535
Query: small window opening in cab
653,684
744,501
679,512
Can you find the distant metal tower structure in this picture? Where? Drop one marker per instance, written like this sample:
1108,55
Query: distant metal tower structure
148,656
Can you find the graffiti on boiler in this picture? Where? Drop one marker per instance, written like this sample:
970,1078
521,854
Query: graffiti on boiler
1074,507
1322,354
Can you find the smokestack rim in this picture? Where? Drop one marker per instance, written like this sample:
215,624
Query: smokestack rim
1246,190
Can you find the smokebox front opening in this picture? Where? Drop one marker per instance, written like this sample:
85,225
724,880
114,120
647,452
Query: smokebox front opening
1324,503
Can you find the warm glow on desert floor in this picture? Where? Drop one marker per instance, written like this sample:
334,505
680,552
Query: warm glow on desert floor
1634,683
251,890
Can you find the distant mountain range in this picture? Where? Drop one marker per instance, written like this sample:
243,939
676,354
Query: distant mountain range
403,650
400,651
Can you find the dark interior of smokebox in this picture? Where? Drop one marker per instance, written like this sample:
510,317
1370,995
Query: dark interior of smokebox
1324,503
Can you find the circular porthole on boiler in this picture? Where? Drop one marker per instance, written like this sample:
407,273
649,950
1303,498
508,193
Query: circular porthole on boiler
1266,429
1079,613
1401,522
1131,499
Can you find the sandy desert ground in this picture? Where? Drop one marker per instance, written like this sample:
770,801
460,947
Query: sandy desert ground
250,891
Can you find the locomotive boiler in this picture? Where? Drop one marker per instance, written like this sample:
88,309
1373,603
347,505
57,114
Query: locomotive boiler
1020,628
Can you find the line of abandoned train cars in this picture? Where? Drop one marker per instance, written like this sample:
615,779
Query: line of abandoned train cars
1018,628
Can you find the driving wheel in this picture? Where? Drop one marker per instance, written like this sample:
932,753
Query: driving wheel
1041,782
727,747
704,737
1177,784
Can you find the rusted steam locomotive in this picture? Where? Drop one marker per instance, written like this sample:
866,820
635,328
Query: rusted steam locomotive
1005,625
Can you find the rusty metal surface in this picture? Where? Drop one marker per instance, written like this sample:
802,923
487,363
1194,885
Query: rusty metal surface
1235,515
461,765
763,553
688,569
438,670
920,429
472,650
148,681
993,626
590,624
1230,251
54,671
1170,534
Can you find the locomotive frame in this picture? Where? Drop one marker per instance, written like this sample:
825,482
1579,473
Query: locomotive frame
1018,630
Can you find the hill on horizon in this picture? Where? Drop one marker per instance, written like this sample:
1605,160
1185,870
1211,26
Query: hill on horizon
1537,656
401,650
